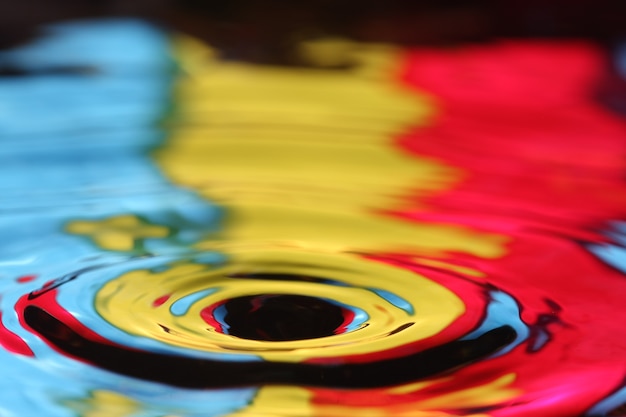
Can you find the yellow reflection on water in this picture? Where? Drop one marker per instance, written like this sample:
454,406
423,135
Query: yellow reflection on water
118,233
306,156
104,403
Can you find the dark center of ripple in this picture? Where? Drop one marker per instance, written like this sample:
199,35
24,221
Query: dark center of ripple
280,317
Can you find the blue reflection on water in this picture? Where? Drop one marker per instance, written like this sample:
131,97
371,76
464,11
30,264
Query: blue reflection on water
75,146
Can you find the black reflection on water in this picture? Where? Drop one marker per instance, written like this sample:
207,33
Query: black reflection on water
280,317
199,373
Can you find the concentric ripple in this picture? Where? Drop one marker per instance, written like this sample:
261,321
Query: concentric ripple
249,317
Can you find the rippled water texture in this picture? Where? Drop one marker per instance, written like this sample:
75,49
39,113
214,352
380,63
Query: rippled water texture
421,233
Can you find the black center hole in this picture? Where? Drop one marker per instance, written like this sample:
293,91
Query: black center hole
277,317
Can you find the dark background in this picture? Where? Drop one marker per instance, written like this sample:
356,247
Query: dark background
260,30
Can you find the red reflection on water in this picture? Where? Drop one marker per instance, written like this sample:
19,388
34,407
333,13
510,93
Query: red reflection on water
544,165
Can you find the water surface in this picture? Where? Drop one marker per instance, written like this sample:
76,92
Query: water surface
386,232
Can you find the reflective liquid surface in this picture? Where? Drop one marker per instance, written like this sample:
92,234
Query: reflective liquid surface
385,232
